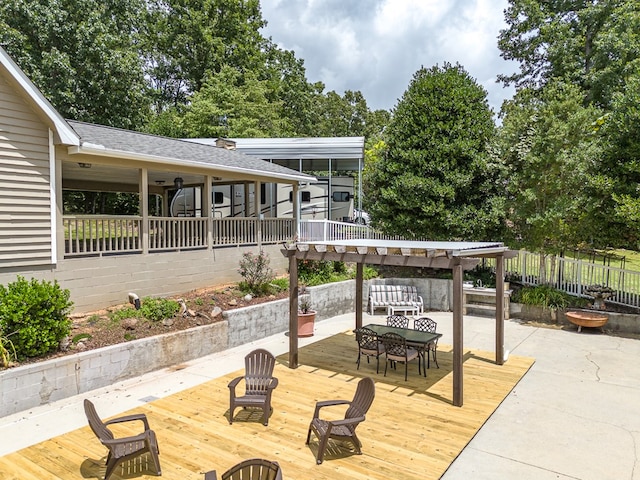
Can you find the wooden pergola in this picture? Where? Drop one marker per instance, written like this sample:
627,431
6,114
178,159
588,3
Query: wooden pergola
454,256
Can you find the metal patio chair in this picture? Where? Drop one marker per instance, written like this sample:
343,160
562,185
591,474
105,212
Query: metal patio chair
397,350
369,346
399,321
426,324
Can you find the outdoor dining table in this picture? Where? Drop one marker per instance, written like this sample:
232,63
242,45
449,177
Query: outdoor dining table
413,337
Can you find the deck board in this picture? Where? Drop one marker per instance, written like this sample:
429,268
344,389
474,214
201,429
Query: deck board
412,430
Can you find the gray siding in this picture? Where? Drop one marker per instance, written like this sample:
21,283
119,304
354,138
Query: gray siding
25,212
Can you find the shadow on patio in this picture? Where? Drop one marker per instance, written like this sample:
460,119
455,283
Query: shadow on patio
412,430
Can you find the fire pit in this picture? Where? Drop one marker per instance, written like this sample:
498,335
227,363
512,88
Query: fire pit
587,319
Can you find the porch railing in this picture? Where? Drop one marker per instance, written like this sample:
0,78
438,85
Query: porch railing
97,235
329,230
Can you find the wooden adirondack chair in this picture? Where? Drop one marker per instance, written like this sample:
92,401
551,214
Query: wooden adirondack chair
344,429
252,469
259,384
126,448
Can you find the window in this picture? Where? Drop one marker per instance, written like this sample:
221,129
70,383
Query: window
341,196
218,198
306,197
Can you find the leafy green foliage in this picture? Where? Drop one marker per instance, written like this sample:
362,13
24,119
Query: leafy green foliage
116,316
435,178
543,296
313,272
35,315
158,309
256,272
548,143
83,55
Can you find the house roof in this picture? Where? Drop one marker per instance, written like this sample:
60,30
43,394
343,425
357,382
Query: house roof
114,142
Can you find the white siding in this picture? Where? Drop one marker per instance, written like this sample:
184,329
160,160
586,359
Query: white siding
25,200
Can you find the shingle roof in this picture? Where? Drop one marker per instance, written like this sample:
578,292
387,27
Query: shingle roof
96,137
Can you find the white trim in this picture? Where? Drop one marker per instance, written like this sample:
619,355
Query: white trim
92,149
67,135
53,199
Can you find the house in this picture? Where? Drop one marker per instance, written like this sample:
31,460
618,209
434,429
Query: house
102,258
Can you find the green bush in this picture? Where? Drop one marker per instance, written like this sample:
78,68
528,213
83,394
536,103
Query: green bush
256,273
35,315
117,316
157,309
543,296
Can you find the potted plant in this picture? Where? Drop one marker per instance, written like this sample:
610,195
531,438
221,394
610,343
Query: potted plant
306,317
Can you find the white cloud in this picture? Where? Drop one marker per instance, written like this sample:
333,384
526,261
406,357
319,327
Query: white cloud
377,46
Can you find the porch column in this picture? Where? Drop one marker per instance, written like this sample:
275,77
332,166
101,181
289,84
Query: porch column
60,243
296,210
247,199
207,208
457,334
293,309
143,188
256,208
500,309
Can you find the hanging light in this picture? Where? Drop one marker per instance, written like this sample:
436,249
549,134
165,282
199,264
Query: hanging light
178,182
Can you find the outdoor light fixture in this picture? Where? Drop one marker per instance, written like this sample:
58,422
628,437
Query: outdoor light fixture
178,182
159,182
84,165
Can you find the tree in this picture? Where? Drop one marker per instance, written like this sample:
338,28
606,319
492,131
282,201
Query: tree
190,40
83,55
592,43
435,178
548,144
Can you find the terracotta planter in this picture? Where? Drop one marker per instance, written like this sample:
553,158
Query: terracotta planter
306,323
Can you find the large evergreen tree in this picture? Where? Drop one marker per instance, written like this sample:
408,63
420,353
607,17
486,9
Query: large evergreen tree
435,178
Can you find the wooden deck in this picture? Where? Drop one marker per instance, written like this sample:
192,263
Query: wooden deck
412,430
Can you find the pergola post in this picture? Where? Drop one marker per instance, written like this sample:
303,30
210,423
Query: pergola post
359,282
457,334
293,310
499,309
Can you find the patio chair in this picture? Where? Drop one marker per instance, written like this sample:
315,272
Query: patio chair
252,469
396,350
399,321
425,324
259,384
369,346
125,448
345,429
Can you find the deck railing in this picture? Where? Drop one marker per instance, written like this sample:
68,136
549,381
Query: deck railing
330,230
98,235
575,276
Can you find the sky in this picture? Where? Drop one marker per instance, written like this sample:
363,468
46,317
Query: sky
376,46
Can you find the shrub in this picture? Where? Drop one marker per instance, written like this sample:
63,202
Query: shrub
256,272
543,296
157,309
117,316
35,314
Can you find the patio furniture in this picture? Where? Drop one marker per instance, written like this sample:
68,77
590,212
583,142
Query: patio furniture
369,346
259,384
401,297
396,350
345,429
426,324
399,321
251,469
125,448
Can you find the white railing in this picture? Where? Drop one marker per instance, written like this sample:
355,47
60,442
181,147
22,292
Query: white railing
97,235
172,233
330,230
574,276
